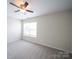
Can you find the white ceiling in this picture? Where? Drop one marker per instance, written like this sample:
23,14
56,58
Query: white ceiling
40,7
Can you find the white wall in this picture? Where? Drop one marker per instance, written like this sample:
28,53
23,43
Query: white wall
53,30
13,29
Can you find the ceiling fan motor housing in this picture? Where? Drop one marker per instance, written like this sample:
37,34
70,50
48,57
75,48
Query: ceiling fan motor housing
23,6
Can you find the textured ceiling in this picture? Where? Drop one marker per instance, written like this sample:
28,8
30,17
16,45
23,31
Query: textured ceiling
40,7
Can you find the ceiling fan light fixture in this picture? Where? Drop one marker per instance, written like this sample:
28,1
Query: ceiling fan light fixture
21,10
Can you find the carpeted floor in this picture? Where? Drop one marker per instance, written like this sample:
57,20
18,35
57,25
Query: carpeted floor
24,50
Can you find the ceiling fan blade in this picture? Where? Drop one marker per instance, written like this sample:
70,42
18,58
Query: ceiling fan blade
14,5
29,11
26,4
17,11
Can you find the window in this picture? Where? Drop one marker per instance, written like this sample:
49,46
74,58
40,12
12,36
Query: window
30,29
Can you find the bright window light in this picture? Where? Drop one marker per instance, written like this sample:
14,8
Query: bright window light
30,29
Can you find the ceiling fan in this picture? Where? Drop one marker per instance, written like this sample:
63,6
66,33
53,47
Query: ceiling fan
22,7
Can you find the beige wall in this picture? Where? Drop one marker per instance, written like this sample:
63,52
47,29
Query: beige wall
13,29
53,30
